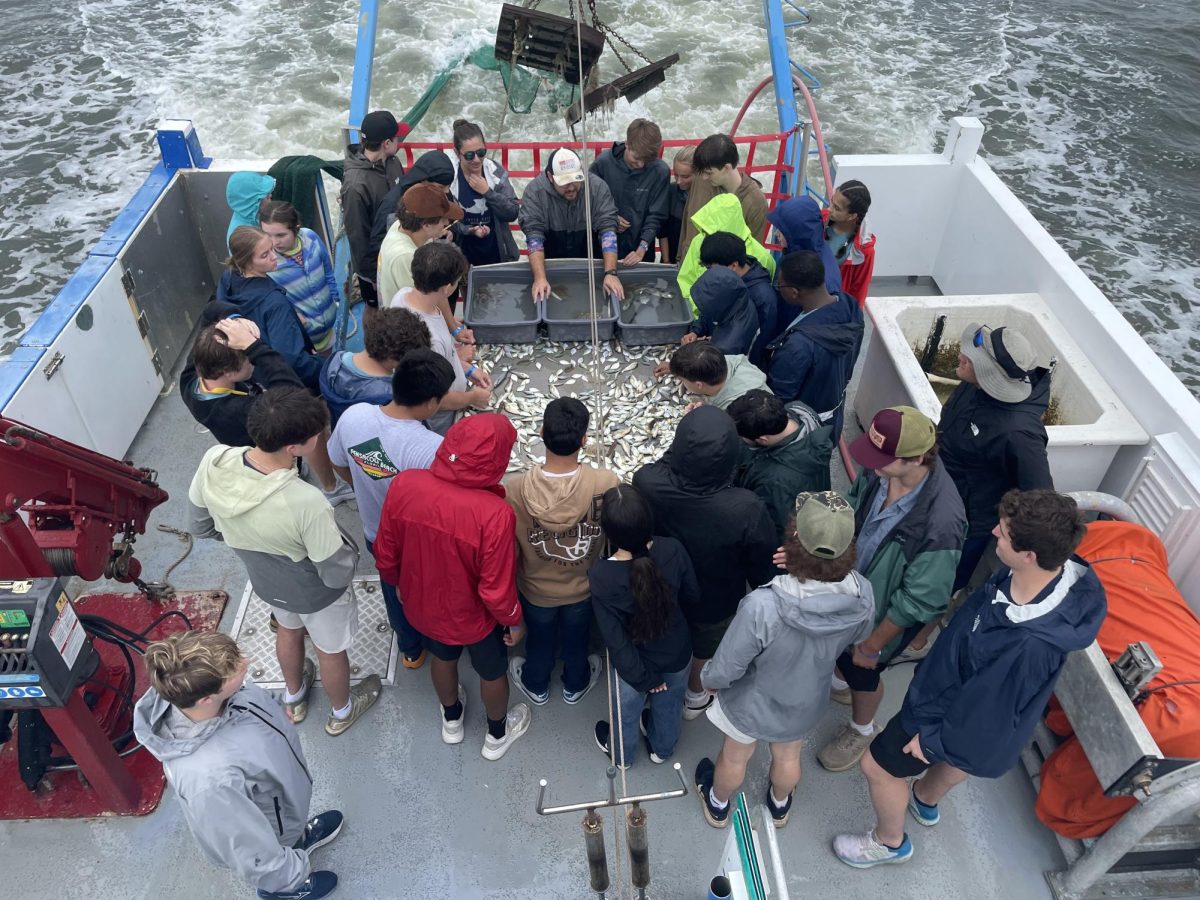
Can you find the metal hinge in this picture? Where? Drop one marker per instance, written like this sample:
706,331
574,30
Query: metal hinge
143,324
53,366
127,282
157,362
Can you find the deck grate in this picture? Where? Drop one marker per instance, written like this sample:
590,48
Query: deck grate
374,649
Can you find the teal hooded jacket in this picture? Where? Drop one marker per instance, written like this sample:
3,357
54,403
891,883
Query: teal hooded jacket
243,193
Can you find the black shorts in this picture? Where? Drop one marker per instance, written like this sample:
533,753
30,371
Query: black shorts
489,657
867,680
888,750
368,292
707,637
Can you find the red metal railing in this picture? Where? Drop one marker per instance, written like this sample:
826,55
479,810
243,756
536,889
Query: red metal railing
524,160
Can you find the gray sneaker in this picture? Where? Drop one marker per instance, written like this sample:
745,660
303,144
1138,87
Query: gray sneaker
516,724
452,729
297,710
341,493
362,697
846,748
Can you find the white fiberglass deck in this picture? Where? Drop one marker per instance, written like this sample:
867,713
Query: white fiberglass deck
426,820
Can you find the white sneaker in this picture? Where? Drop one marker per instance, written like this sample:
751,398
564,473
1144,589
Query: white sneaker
864,850
340,494
452,732
516,724
693,708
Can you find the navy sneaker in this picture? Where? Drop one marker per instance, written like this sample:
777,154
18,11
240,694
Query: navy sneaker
595,670
779,814
705,770
321,830
318,885
925,813
516,674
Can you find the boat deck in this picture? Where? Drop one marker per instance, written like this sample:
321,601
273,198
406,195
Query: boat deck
429,820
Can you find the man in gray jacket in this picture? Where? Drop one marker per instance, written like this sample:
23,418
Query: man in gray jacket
770,673
298,560
237,765
554,219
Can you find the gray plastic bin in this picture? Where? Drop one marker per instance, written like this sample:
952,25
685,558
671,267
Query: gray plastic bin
567,312
654,311
509,315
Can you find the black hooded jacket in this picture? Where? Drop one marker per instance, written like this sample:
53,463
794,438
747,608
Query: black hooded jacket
727,315
430,166
990,447
726,530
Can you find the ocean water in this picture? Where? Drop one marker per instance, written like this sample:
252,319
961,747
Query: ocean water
1092,110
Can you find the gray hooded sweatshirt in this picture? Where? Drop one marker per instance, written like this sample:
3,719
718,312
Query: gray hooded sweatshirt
242,781
281,527
773,665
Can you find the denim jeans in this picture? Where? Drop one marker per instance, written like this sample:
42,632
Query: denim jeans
550,630
666,714
409,639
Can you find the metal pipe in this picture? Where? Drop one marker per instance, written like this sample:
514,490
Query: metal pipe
593,839
543,810
639,847
1120,839
364,66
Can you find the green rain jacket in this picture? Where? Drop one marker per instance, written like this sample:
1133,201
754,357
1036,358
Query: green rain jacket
722,213
913,569
800,463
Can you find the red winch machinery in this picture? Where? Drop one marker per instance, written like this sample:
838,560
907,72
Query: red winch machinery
70,670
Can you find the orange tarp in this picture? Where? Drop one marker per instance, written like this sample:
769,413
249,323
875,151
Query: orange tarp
1143,605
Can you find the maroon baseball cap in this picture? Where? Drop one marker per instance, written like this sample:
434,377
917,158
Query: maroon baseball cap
894,433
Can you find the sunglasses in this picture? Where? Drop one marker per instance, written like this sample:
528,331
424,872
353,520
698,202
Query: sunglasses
978,340
475,154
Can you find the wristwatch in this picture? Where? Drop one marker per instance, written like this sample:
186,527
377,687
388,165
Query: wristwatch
608,272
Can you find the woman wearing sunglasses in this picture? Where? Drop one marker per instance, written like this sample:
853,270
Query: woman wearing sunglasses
481,187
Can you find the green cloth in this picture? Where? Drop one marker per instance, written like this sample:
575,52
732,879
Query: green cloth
296,182
912,572
722,213
521,86
777,474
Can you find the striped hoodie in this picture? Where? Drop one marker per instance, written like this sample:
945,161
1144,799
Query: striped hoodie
312,289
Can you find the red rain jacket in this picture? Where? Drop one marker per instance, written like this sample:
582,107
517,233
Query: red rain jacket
857,267
447,539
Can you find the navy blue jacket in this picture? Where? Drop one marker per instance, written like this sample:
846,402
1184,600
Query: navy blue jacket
990,447
976,698
800,225
266,304
342,386
766,303
640,194
812,360
725,311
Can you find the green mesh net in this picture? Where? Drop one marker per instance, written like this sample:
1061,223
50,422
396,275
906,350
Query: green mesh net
522,86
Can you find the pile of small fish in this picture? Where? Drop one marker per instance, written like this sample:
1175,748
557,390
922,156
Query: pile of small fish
633,414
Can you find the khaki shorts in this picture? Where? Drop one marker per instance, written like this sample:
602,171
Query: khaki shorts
717,716
332,629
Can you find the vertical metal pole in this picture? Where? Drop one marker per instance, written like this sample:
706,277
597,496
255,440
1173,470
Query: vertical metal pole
639,848
593,839
801,166
364,63
781,72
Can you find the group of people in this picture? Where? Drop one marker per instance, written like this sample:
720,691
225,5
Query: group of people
727,581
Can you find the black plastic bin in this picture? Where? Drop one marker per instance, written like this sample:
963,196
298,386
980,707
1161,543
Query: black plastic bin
664,319
567,312
513,319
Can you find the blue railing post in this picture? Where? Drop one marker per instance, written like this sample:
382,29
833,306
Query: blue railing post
781,70
364,64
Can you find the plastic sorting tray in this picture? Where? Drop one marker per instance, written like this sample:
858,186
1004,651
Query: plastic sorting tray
512,323
567,313
662,321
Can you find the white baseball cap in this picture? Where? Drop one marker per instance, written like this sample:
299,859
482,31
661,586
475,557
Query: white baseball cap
564,167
